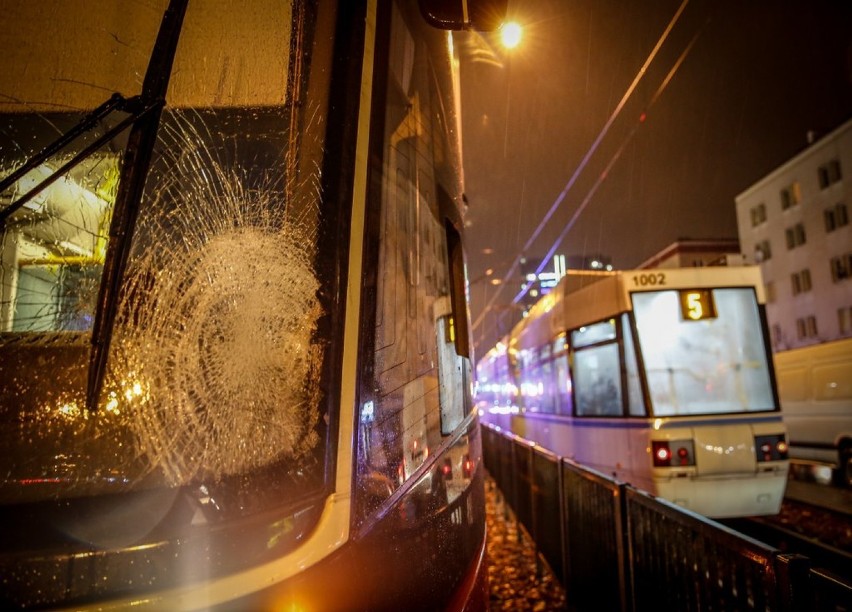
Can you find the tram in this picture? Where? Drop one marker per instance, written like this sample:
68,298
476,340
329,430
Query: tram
661,378
234,351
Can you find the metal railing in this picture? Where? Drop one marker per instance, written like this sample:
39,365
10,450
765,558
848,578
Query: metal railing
617,548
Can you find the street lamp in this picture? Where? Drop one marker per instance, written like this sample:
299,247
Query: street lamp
510,34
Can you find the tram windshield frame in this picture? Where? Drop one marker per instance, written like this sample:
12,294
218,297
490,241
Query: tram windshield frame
705,366
223,341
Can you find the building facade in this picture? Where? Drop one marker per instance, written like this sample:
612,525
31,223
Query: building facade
692,253
794,223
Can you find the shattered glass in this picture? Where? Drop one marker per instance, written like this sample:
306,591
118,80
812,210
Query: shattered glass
215,358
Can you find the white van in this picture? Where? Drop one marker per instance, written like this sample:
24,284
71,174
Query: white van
815,389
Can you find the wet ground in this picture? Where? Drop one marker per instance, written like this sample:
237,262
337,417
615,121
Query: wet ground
520,579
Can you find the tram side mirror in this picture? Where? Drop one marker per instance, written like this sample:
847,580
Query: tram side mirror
482,15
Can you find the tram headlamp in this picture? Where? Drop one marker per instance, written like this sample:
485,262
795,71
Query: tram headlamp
770,448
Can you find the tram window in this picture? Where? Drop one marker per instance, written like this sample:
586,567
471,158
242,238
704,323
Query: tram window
597,379
417,391
635,399
563,384
592,334
450,376
709,366
548,396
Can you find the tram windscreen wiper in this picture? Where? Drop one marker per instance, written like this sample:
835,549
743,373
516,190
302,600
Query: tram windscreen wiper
140,148
116,103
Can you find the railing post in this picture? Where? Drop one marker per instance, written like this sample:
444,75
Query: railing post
622,530
792,578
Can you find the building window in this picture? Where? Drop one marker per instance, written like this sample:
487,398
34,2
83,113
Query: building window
806,327
791,196
841,267
844,320
829,173
758,214
836,217
841,215
801,281
762,251
777,334
795,236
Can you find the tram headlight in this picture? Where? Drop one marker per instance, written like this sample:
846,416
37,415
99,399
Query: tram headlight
770,448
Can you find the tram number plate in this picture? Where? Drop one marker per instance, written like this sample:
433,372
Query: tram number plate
697,304
656,279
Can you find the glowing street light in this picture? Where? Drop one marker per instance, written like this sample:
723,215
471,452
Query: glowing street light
510,34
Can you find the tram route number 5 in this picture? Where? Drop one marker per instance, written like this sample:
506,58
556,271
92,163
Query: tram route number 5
697,304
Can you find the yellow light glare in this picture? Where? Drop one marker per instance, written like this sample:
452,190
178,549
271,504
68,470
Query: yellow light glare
510,34
112,405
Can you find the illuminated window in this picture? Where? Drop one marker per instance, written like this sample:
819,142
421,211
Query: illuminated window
791,196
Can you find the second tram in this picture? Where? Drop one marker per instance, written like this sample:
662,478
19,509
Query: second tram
661,378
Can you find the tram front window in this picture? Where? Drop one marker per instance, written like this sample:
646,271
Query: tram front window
212,383
713,365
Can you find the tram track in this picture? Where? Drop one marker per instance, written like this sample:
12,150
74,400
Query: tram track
821,533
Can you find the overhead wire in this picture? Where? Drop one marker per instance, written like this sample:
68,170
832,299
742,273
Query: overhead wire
602,177
613,116
581,166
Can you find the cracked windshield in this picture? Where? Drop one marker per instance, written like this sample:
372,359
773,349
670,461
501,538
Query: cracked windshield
208,375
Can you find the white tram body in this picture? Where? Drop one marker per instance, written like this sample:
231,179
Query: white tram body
660,378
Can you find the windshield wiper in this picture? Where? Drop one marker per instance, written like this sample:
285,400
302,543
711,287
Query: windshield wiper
115,103
140,148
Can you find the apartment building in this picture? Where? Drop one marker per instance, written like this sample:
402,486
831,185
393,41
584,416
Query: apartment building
794,223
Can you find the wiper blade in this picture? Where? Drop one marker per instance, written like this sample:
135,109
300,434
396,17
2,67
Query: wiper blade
140,148
116,102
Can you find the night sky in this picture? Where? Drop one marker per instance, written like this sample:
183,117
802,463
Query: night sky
731,94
